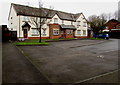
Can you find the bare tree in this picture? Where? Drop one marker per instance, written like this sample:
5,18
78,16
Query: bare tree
97,22
115,15
103,20
41,20
103,16
109,16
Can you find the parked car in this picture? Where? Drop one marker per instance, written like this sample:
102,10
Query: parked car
103,35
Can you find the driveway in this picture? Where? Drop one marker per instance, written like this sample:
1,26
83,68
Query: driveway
67,62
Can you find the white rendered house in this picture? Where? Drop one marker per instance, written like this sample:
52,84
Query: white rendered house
59,24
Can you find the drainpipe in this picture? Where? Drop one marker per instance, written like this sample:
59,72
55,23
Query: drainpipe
19,26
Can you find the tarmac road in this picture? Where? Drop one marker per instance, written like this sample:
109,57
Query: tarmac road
62,64
17,69
111,45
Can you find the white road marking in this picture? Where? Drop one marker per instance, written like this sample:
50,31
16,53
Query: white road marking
108,51
96,77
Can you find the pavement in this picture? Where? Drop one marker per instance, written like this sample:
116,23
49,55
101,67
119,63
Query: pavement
68,62
18,69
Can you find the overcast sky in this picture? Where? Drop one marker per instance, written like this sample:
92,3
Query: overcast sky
88,7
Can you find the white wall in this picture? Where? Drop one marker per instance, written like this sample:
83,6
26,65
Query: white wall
22,21
60,21
13,20
81,27
15,24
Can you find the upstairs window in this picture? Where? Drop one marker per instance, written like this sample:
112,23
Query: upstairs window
84,24
62,21
71,22
56,20
25,18
55,31
78,23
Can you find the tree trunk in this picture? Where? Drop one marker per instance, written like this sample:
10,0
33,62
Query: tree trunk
40,31
40,35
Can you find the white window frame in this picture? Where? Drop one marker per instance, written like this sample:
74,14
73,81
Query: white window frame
71,22
78,23
79,32
44,32
55,31
84,32
35,32
62,21
56,20
26,18
70,32
84,24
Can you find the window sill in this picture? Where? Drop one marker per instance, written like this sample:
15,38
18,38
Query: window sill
56,35
55,23
44,34
35,34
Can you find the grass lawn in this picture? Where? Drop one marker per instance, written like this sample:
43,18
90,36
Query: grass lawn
37,40
31,43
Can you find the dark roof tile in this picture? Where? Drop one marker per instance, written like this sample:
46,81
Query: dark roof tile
32,11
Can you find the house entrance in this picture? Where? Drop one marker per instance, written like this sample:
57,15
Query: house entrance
25,33
26,28
63,34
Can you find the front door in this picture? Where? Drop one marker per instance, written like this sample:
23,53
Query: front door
89,33
63,34
25,33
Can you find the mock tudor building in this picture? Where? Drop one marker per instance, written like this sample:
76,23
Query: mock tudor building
61,24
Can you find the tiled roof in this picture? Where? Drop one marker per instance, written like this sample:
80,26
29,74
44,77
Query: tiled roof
26,24
32,11
112,22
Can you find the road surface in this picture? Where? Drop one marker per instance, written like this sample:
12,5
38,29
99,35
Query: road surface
70,62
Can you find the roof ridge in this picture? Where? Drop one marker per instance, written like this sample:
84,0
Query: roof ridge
45,8
22,10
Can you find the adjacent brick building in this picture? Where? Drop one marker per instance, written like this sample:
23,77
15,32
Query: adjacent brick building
113,27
